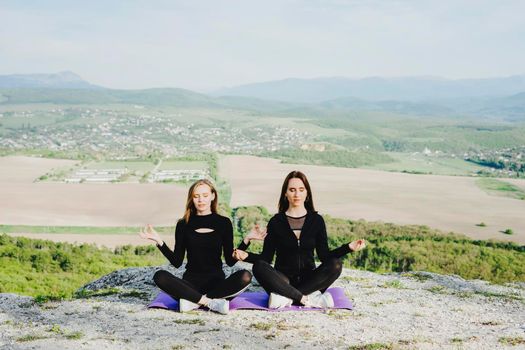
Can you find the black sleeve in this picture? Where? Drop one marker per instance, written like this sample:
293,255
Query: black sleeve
243,246
227,242
175,257
321,245
268,251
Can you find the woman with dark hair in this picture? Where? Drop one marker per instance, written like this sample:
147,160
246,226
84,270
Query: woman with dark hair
292,235
204,235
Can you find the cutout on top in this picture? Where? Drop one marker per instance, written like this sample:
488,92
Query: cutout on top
204,230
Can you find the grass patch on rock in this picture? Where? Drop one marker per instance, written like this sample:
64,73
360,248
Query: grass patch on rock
512,340
394,284
30,337
372,346
74,335
196,321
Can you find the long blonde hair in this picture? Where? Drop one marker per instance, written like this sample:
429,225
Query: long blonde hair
190,206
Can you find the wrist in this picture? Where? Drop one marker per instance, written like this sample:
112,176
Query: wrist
246,240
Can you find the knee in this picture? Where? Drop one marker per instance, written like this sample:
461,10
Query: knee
335,265
246,277
258,266
160,277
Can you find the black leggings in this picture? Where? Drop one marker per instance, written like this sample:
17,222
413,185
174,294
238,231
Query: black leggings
274,281
192,286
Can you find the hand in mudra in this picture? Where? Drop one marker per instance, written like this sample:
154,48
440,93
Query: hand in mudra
239,254
256,234
357,245
148,232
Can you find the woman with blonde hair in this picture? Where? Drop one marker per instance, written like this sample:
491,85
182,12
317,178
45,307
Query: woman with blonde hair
291,236
204,235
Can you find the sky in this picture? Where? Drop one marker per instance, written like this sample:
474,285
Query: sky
204,45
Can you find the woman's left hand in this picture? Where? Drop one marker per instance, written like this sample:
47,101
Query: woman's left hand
239,254
148,232
357,245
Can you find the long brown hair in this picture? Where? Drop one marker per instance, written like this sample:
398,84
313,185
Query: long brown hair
190,206
283,201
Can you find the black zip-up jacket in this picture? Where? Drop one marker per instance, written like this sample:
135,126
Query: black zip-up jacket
295,257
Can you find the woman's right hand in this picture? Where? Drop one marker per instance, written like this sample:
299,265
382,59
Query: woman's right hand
357,245
148,232
239,255
256,234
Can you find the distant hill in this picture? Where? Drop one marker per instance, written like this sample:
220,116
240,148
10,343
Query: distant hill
510,107
376,88
60,80
178,97
151,97
69,88
500,98
399,106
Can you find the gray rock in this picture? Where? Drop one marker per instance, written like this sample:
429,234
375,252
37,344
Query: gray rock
137,282
416,310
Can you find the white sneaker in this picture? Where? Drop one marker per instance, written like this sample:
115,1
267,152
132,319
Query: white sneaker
186,305
221,306
320,300
278,301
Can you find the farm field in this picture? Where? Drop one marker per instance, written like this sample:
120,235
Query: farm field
59,204
183,165
449,203
131,165
419,163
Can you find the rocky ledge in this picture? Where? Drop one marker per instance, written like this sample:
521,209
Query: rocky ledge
416,310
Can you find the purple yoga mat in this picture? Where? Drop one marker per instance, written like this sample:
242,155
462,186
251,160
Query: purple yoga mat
256,301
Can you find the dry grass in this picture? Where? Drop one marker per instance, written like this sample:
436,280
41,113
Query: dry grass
58,204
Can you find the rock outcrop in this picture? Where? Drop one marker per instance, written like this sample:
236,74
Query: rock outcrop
417,310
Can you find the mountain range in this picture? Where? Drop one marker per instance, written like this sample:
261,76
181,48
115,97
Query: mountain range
61,80
377,89
494,97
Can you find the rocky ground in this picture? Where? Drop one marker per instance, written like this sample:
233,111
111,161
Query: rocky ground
418,310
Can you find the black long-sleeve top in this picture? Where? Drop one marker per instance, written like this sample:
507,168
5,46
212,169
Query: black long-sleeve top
204,249
295,256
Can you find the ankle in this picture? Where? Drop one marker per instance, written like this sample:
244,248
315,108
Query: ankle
304,300
204,300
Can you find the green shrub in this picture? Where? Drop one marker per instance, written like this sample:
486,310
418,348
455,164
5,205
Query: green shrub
50,271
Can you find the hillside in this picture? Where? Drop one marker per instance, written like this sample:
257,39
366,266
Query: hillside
377,88
500,98
394,311
402,308
60,80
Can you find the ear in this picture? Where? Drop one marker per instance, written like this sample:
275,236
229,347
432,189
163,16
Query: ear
213,196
